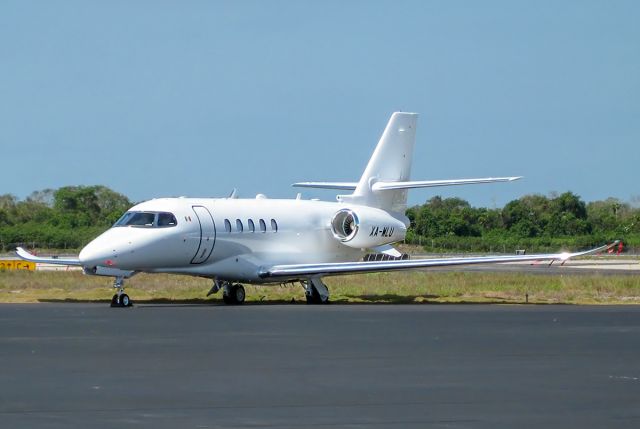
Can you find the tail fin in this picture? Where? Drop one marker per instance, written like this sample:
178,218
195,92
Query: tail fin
385,181
390,162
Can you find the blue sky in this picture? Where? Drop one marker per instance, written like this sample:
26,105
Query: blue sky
196,98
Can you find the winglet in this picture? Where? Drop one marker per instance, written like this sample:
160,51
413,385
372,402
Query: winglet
606,247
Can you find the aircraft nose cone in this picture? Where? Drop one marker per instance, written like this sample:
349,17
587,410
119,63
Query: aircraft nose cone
94,254
104,250
116,247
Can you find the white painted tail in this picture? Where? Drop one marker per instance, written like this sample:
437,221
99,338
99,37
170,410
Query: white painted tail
385,181
390,162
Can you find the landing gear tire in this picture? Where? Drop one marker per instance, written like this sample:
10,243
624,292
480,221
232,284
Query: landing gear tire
239,293
120,299
124,300
234,295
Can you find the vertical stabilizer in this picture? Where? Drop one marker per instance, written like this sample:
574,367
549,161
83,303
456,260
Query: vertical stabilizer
390,162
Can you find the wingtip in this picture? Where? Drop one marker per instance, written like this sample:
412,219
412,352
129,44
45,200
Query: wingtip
23,254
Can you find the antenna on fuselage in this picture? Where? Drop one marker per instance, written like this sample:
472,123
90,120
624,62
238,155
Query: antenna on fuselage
234,194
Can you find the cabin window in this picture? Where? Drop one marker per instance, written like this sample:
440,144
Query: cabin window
263,226
227,225
239,226
252,227
274,225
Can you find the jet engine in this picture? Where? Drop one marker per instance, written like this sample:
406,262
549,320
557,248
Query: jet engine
366,227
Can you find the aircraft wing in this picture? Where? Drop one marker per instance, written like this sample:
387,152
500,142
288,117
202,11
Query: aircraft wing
339,268
38,259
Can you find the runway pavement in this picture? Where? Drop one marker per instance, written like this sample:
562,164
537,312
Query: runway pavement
296,366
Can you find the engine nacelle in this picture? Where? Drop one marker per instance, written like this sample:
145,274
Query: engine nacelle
366,227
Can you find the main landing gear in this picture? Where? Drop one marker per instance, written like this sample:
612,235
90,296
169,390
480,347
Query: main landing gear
315,291
120,299
232,293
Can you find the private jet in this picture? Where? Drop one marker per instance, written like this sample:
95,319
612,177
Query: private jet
264,241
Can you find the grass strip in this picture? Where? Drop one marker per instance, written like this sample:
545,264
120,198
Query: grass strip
403,287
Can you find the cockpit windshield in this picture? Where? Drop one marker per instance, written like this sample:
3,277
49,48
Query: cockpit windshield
147,220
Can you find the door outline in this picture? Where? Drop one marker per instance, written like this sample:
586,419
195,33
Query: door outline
203,253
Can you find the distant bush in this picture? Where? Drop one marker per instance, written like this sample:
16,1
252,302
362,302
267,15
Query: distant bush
66,218
534,223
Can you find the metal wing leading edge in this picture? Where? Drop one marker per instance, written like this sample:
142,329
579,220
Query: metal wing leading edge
329,269
38,259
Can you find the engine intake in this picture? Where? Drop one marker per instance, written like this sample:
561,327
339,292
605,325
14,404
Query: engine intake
345,225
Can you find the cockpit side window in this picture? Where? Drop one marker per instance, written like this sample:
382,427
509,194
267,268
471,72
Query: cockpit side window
141,219
167,219
147,219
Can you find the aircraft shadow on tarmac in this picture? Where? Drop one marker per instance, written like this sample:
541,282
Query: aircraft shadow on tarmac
392,299
385,299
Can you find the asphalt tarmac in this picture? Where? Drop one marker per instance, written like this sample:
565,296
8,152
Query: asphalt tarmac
298,366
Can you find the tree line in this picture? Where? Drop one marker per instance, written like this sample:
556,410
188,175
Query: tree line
532,222
66,218
69,217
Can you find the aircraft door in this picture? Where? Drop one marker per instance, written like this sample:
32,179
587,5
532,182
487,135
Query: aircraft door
207,235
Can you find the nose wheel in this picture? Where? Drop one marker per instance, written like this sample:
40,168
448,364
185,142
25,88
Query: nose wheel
120,299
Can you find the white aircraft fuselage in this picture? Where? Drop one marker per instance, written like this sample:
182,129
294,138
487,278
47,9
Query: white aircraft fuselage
232,239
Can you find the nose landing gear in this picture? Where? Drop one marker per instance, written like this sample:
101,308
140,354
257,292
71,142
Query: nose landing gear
120,299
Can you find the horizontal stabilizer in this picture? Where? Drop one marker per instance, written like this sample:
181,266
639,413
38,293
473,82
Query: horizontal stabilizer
344,186
51,260
389,186
392,186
